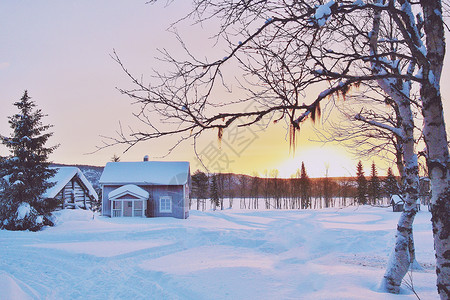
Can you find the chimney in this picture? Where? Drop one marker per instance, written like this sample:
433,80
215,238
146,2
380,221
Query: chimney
146,158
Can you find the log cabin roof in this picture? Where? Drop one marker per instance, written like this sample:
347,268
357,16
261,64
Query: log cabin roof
62,177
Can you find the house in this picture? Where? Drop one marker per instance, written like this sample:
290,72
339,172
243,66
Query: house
398,203
146,189
71,189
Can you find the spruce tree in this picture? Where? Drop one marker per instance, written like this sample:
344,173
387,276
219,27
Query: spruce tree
305,187
25,172
374,185
361,189
200,187
214,196
390,184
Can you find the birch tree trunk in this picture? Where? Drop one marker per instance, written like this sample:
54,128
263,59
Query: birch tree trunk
403,255
436,142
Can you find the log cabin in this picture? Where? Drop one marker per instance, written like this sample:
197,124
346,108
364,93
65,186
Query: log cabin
71,189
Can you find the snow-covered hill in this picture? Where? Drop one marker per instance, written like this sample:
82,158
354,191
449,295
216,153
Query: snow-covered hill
231,254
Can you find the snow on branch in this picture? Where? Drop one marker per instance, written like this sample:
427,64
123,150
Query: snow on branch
323,13
397,131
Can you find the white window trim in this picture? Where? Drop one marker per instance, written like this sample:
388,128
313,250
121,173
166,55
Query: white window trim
132,206
160,204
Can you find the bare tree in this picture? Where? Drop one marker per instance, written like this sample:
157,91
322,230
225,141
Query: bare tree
266,189
326,188
254,190
370,124
221,188
230,191
283,49
243,183
275,188
390,131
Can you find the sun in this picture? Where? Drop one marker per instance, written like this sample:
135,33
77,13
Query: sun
318,162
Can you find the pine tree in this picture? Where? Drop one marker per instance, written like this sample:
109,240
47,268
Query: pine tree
374,185
361,190
305,187
390,184
115,158
200,187
26,171
214,196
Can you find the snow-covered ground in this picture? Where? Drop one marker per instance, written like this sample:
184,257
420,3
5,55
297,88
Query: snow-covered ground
230,254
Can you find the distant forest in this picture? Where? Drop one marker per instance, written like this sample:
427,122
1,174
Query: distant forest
279,193
254,192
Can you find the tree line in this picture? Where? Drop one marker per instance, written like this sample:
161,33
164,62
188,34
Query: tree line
298,192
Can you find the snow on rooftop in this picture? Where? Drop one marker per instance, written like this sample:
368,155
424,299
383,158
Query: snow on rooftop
146,172
129,189
396,198
62,177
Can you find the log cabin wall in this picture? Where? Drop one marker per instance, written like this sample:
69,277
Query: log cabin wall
74,193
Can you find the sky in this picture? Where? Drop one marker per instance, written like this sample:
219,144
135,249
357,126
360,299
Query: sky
60,51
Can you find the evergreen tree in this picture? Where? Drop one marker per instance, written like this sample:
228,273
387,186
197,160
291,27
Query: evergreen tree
305,187
200,187
115,158
390,184
214,192
26,171
374,189
361,190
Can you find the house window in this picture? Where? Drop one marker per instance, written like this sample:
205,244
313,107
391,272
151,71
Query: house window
165,204
117,209
138,208
130,203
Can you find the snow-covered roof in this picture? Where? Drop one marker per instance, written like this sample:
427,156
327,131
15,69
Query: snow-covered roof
62,177
396,198
146,172
128,189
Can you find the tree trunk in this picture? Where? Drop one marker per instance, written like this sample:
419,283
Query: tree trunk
437,161
403,255
436,141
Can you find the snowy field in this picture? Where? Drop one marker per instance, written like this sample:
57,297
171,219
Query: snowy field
230,254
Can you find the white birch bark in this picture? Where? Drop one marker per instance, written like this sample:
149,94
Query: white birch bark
403,254
436,141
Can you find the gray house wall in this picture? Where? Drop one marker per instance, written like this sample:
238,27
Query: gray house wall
180,203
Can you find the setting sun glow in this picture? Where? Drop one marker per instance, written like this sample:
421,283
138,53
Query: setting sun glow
317,160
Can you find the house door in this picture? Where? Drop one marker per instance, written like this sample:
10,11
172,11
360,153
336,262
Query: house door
128,208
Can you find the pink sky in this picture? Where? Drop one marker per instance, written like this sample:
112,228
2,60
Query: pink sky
60,52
